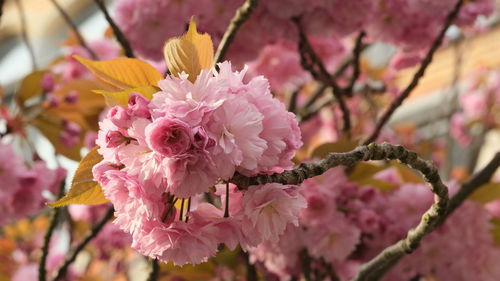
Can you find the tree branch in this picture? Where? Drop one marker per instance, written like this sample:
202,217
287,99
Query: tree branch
477,180
74,28
122,39
379,265
42,271
356,64
312,62
1,8
155,270
61,272
416,77
242,15
24,34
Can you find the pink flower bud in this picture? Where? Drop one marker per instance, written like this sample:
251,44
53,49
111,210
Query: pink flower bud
53,100
68,140
90,139
119,116
48,82
71,97
71,127
115,138
138,106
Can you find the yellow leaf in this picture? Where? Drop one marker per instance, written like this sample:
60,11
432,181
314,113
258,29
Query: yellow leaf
121,98
190,53
363,171
84,190
486,193
123,73
495,230
31,86
341,145
407,174
52,129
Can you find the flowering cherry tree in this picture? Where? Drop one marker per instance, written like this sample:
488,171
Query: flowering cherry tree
269,157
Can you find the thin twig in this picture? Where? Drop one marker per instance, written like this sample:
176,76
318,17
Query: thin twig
242,15
356,64
42,271
24,34
122,39
155,270
312,62
1,8
73,27
307,114
226,209
416,77
70,258
315,96
477,180
292,101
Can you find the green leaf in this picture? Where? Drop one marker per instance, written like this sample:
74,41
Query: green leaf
84,190
486,193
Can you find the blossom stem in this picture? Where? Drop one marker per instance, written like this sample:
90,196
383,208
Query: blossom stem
242,15
182,209
188,209
61,272
396,103
42,271
122,39
24,34
74,28
226,210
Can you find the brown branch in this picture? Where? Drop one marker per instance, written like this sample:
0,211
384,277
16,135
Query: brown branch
292,100
375,268
356,64
122,39
42,271
312,62
1,8
71,257
155,270
416,77
307,114
242,15
74,28
24,34
315,96
477,180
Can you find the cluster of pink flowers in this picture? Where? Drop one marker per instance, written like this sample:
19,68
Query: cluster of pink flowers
188,138
23,185
346,225
411,25
479,107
